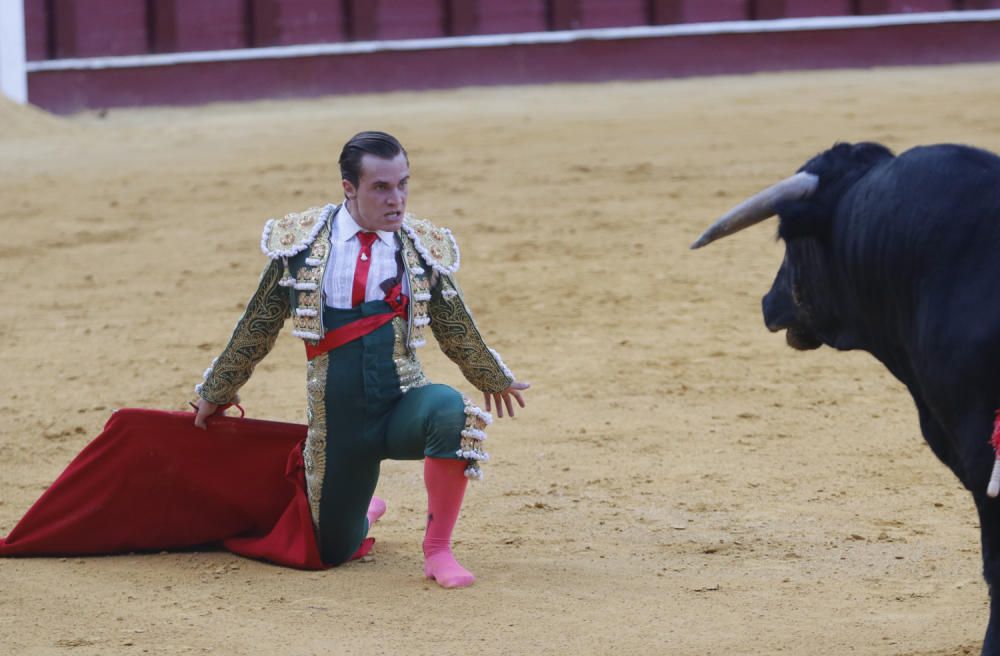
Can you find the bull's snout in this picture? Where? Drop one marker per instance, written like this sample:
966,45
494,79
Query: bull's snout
778,309
781,313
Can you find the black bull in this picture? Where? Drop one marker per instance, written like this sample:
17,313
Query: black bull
899,256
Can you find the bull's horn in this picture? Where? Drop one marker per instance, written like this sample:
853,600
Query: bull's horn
759,207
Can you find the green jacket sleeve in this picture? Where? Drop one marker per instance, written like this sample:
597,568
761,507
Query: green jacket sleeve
252,339
460,339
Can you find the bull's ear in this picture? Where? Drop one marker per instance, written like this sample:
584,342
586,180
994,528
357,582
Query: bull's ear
869,153
846,161
803,219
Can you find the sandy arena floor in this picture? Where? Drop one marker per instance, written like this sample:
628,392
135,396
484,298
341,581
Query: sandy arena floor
681,481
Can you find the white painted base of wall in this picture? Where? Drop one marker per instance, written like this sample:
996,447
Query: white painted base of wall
13,74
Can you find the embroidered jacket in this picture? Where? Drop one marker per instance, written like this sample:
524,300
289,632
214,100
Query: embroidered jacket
292,286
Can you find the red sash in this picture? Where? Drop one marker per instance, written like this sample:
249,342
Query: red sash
396,299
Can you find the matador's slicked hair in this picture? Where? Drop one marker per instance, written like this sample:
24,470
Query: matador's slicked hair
379,144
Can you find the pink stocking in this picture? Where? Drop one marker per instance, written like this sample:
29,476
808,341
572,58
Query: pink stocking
376,508
445,480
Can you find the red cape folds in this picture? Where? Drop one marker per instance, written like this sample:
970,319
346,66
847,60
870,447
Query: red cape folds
151,481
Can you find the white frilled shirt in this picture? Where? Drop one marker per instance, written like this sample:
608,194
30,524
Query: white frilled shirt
344,250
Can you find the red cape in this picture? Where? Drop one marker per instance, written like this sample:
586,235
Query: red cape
151,481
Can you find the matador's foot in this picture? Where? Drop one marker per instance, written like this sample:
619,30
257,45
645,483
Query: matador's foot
376,508
443,568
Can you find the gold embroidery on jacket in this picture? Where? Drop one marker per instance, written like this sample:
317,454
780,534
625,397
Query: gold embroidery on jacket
314,451
252,338
408,368
291,234
436,245
419,289
309,307
460,339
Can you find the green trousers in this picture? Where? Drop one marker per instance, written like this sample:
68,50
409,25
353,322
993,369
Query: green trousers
369,419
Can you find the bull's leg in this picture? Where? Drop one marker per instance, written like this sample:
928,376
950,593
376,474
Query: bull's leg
976,458
989,522
937,438
970,457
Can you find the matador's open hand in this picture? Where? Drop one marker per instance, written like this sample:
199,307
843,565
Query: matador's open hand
514,390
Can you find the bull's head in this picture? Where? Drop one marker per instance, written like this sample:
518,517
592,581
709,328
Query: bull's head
800,300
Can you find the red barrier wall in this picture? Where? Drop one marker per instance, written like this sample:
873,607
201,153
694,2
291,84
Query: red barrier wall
613,13
695,11
58,29
373,20
564,14
36,17
286,22
903,6
767,9
90,28
575,61
185,25
502,16
94,28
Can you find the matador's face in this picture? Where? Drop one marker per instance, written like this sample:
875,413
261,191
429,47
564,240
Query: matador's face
379,200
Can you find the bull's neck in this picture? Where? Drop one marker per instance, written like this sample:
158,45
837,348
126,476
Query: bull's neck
875,283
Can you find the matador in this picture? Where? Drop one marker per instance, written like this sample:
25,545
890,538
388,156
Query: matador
361,281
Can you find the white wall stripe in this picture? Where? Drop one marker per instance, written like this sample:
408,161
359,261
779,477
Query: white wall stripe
527,38
13,75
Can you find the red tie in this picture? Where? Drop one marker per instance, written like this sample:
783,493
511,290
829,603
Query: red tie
361,267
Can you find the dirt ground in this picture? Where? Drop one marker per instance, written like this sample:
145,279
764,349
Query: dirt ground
681,481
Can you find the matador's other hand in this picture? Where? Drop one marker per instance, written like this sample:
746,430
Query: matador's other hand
514,391
205,410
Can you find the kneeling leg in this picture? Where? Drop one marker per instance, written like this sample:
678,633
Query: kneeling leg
344,507
428,423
